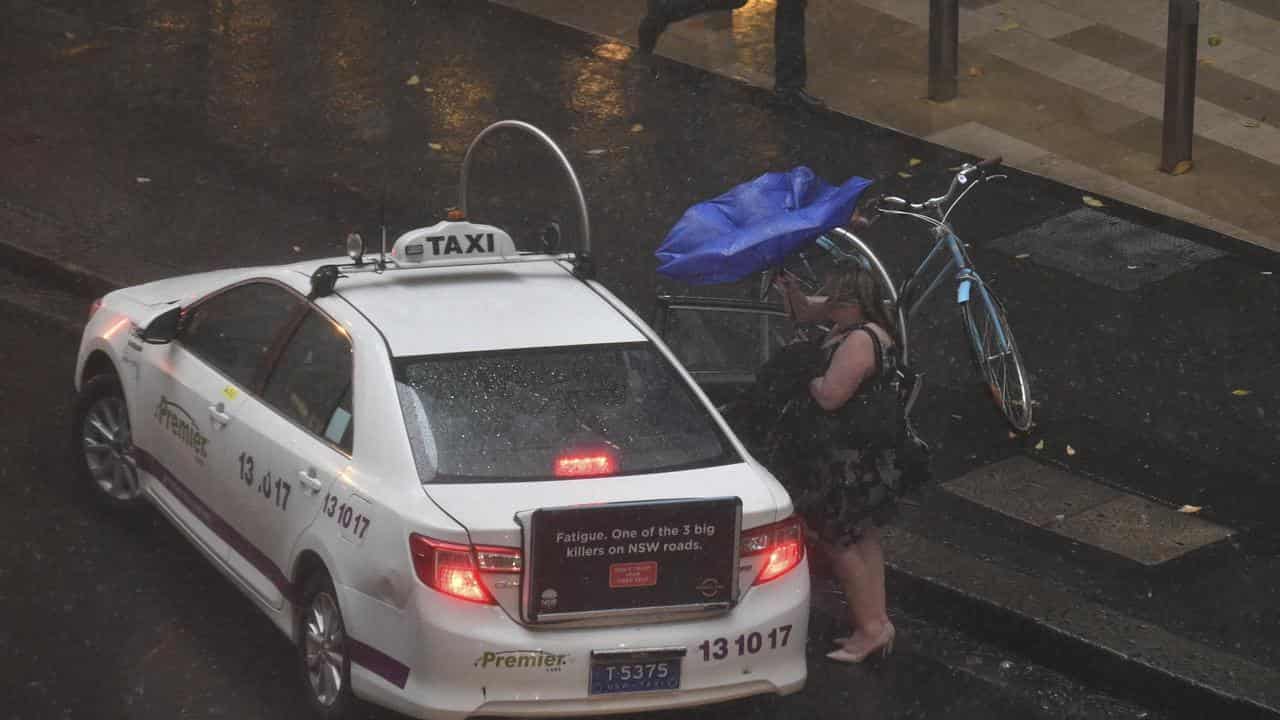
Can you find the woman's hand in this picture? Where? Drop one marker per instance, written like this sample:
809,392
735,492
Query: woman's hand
803,308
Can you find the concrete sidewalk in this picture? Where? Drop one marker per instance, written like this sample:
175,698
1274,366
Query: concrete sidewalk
1068,89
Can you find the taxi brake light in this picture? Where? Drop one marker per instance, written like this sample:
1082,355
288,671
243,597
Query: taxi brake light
782,544
586,465
454,569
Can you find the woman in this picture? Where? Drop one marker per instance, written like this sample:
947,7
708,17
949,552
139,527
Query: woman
835,443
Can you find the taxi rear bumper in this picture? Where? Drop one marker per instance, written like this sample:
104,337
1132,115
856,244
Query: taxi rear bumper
465,659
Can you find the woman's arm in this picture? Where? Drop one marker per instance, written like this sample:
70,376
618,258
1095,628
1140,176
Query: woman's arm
804,308
853,362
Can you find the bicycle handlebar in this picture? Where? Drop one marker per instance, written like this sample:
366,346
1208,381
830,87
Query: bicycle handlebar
958,183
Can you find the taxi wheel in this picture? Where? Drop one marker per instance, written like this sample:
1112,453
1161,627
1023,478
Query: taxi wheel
322,649
103,442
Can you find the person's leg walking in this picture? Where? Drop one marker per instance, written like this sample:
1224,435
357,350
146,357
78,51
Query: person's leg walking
791,67
662,13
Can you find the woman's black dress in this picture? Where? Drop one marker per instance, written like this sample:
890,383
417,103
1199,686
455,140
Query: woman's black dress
842,468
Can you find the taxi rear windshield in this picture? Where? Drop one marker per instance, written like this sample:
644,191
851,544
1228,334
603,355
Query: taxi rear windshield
554,413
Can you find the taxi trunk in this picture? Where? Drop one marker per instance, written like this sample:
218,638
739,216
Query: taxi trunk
679,544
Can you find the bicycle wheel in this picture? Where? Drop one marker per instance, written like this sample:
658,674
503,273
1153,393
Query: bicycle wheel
996,355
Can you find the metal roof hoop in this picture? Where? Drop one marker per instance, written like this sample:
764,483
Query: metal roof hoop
564,162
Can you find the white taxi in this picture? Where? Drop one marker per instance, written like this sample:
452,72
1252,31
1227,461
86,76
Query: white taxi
462,479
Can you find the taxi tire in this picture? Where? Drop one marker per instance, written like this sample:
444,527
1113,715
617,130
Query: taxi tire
318,581
94,389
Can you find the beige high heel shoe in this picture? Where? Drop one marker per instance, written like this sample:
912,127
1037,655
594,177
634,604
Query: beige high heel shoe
882,647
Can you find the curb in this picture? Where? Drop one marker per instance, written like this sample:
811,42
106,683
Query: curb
61,273
1077,636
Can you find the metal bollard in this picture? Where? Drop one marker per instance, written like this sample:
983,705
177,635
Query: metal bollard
944,49
1180,86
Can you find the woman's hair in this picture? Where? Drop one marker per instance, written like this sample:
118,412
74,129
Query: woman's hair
856,285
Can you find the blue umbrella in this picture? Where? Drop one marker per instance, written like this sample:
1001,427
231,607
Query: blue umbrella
755,226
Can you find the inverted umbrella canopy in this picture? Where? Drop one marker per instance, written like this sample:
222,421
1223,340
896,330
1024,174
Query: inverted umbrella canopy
755,226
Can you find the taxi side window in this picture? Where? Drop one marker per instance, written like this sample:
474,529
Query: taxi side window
312,381
235,329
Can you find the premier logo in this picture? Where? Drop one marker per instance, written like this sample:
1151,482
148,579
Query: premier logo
515,659
172,417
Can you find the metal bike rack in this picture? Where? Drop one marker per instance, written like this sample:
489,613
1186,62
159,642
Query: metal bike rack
546,140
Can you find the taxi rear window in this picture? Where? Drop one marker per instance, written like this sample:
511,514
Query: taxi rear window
555,412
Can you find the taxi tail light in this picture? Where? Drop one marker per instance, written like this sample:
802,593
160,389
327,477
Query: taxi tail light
781,544
586,464
454,569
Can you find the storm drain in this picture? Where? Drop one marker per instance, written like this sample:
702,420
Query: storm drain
1105,250
1086,511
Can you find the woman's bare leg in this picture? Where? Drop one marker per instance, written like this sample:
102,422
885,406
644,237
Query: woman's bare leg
860,568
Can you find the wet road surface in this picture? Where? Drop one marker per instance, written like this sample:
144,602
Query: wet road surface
109,617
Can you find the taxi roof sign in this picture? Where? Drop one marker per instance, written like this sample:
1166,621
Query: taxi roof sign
448,241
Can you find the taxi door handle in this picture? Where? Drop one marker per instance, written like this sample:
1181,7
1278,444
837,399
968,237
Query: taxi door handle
217,415
309,480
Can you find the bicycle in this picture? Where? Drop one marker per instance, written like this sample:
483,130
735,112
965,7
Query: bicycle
990,337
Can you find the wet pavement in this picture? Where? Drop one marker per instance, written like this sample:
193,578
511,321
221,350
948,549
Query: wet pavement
142,139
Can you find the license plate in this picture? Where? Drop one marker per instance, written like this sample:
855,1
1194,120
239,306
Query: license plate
623,676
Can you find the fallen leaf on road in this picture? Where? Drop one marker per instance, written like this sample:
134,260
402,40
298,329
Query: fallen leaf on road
1022,256
1183,167
1011,25
435,146
976,71
1190,509
596,151
1215,40
1071,450
1251,123
142,179
1091,201
904,175
1241,392
413,80
914,162
1206,61
1040,445
428,89
637,128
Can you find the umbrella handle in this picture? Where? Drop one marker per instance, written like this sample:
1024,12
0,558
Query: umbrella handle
767,279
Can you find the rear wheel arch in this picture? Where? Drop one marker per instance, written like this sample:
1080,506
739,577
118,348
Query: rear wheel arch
308,563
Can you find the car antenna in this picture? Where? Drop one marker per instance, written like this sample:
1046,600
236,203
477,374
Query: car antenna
382,218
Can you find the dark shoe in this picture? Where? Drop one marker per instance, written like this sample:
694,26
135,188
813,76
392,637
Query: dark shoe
798,97
652,26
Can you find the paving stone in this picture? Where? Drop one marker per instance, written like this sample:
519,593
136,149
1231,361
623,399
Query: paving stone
1105,250
1141,530
978,139
1030,491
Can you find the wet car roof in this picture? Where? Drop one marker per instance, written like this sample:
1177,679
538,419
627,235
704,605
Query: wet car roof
494,306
